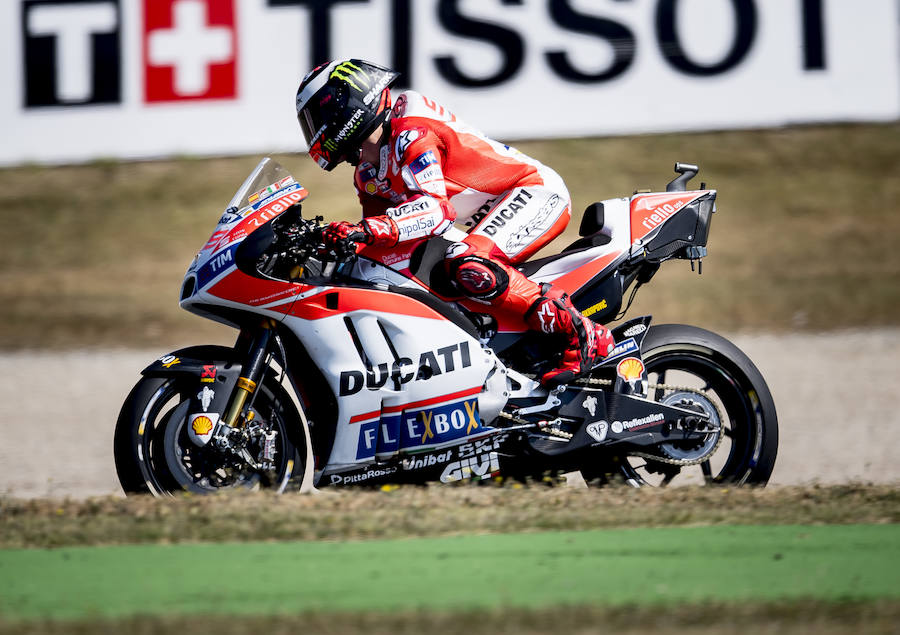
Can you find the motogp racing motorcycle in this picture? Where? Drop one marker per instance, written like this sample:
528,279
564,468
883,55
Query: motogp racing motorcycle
359,366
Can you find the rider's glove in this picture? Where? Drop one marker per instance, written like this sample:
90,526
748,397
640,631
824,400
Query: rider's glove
335,234
380,231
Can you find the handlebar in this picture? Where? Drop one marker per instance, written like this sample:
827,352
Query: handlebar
346,248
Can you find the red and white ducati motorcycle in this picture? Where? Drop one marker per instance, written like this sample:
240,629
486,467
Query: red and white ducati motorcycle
360,368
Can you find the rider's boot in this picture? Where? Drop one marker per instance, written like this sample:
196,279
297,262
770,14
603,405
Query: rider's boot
508,291
586,342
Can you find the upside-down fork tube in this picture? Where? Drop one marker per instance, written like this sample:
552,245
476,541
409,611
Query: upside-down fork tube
253,371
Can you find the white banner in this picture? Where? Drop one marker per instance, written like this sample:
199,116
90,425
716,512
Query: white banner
88,79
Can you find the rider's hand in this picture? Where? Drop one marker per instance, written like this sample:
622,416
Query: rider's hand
335,234
380,231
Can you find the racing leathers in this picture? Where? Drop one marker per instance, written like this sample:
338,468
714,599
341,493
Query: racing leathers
434,171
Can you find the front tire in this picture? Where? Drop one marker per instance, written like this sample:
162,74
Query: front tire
154,455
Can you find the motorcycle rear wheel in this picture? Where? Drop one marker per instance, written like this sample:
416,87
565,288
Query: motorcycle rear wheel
154,455
682,355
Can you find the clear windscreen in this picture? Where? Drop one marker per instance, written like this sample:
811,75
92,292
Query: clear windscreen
267,178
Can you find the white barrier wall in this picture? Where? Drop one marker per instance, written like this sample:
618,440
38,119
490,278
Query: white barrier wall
88,79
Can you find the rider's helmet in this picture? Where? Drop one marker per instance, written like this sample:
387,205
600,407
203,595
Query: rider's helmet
339,104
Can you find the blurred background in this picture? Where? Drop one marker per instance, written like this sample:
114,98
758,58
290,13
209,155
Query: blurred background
127,125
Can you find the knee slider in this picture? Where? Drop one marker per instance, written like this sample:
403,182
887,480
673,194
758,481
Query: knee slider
478,277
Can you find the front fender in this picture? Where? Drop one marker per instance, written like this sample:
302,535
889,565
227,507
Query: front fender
215,368
191,360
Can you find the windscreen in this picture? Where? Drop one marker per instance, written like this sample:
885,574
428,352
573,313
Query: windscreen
267,178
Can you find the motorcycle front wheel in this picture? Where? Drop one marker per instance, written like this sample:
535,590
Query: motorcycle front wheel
154,454
735,392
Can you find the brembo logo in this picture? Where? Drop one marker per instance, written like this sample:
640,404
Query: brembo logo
404,370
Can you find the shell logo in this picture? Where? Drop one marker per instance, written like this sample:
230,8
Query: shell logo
630,369
202,425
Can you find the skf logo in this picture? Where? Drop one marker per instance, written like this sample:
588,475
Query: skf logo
72,52
190,50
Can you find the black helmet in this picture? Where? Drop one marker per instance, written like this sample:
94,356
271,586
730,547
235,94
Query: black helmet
339,104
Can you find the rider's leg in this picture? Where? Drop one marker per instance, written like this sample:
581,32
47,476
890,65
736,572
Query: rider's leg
482,271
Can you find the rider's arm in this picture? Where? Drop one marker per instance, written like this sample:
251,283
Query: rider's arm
427,211
419,217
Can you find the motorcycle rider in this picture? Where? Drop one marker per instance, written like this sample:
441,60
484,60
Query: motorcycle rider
419,169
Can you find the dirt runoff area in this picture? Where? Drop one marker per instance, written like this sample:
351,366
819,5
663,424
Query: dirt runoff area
836,395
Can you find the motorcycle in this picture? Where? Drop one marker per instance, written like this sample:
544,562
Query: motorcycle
359,365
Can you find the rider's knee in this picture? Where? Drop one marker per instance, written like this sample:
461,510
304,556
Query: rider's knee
473,275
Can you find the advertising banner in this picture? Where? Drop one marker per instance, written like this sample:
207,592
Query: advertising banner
89,79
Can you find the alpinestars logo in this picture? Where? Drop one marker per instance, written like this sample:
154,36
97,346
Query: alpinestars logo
404,140
547,317
190,50
380,228
475,277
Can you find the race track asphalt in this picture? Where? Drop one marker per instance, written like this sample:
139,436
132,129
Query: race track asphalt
835,394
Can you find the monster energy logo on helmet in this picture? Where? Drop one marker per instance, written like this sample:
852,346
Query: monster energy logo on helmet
348,129
348,72
339,104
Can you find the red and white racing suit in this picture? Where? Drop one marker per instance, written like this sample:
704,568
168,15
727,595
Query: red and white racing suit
435,171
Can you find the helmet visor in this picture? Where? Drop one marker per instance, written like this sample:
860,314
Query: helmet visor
324,109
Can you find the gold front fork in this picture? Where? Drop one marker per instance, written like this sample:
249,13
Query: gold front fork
253,370
243,392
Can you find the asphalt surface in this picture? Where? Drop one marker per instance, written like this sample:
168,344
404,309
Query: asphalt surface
836,395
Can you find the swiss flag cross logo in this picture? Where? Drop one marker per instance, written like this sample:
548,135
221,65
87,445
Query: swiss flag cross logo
190,50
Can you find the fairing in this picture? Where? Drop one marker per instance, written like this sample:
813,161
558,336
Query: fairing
405,375
213,278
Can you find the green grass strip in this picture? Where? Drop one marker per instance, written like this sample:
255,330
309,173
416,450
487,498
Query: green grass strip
607,567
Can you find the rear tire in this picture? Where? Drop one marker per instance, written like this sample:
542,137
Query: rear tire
683,355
